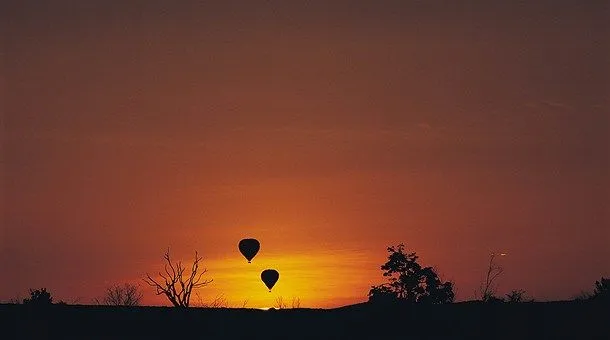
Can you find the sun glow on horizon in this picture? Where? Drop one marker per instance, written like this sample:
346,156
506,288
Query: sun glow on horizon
320,279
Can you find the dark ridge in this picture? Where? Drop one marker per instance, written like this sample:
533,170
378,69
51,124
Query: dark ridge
469,320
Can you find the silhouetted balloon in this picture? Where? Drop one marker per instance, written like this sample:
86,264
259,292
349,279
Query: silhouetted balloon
249,247
270,277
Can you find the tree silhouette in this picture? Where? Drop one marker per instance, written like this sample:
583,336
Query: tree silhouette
177,286
220,301
489,288
409,281
383,294
281,304
121,295
39,297
602,290
515,296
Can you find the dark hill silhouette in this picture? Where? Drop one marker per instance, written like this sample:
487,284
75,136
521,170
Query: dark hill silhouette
468,320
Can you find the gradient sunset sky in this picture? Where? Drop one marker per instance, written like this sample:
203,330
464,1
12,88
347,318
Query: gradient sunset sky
327,130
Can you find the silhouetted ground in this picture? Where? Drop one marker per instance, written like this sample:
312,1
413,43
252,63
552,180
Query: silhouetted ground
471,320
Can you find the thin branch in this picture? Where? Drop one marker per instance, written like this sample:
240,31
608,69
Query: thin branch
176,287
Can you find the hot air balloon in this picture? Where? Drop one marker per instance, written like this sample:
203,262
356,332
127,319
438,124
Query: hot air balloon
270,277
249,248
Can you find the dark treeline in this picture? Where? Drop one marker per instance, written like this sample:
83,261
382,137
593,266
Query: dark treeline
413,303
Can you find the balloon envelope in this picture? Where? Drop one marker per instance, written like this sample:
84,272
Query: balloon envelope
270,277
249,247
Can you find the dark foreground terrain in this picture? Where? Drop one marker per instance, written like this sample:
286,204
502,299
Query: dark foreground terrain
548,320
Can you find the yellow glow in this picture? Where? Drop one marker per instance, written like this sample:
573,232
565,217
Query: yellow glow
321,279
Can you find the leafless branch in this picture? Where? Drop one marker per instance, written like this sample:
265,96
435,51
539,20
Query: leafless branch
488,288
176,286
120,295
280,304
296,302
219,302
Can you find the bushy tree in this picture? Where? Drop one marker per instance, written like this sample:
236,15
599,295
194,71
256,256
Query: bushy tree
408,281
39,297
383,293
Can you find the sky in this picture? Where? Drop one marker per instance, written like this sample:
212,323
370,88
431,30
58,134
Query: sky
327,130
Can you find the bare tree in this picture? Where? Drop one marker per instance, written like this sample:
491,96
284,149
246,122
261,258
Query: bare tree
220,301
177,286
120,295
516,296
280,304
489,287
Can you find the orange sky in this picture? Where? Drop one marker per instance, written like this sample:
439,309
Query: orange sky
327,131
